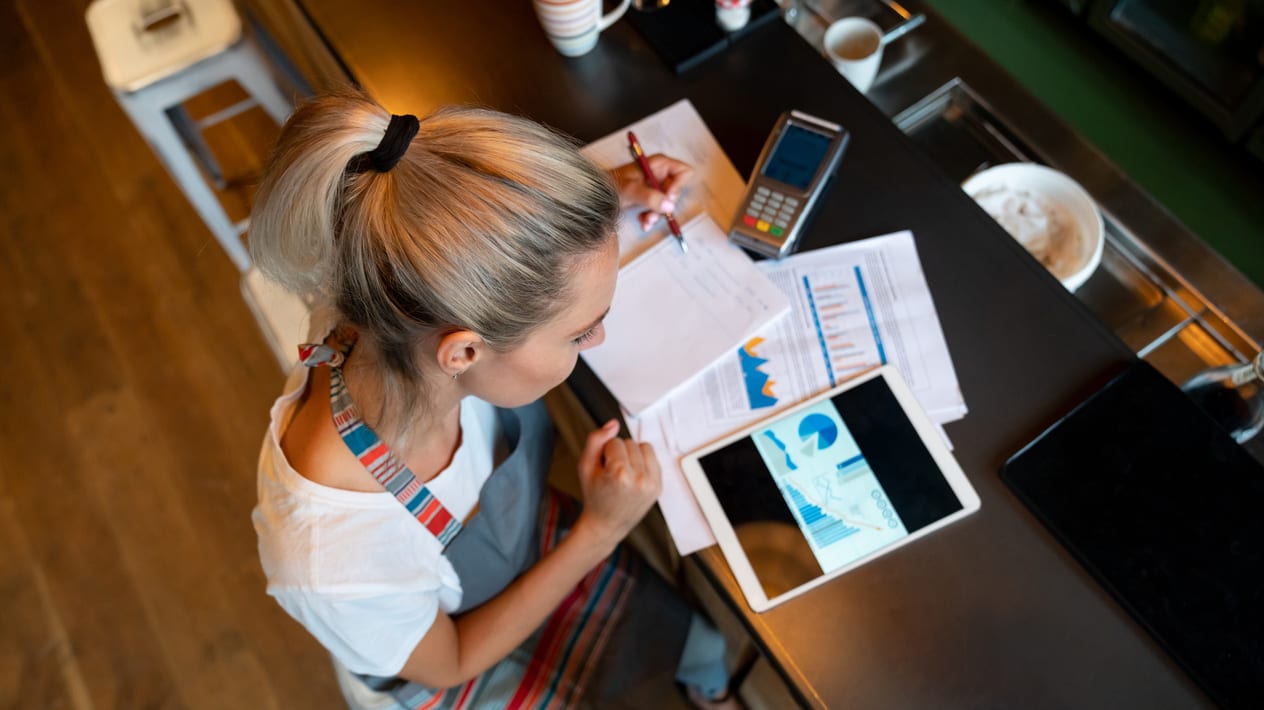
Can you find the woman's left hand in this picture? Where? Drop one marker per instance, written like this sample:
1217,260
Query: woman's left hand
635,190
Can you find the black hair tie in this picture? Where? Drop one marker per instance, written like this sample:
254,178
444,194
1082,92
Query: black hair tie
399,133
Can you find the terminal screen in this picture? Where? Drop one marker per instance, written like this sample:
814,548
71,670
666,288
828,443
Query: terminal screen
798,154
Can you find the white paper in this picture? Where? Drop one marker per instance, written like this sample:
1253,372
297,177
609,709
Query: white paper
853,306
678,132
674,314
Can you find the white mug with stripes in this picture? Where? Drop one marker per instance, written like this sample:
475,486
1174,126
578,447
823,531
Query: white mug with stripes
573,25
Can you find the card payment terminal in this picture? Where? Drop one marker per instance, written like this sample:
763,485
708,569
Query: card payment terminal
793,169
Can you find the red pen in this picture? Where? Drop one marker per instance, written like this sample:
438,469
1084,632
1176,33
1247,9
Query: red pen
639,154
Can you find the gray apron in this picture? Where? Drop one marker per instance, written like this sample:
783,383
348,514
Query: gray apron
638,660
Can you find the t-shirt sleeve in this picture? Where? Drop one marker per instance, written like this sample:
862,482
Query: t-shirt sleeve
371,634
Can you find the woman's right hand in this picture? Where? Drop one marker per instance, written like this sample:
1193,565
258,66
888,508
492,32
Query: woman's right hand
620,480
637,192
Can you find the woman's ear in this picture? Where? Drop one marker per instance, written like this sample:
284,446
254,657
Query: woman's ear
458,351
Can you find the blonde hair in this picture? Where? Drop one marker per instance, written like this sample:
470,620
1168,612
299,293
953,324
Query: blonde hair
476,227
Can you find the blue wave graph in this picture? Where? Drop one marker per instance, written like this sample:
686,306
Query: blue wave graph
824,529
790,465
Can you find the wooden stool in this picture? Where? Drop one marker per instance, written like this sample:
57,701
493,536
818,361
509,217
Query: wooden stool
155,55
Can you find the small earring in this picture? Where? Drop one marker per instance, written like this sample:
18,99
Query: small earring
456,375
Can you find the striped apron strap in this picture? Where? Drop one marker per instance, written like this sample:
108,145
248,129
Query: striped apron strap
373,453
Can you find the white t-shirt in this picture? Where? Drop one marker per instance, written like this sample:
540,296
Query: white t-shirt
356,569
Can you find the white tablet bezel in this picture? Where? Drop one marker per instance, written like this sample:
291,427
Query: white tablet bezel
727,538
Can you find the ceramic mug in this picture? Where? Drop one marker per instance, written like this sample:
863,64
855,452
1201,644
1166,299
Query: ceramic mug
854,47
573,25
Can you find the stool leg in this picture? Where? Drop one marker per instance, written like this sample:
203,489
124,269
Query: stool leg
192,137
249,66
166,143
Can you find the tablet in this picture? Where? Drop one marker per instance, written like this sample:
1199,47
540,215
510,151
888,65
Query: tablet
827,485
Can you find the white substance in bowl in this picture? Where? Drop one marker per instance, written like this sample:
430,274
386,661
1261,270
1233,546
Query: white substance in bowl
1047,230
1053,216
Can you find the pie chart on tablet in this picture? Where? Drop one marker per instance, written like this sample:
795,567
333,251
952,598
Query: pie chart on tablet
817,432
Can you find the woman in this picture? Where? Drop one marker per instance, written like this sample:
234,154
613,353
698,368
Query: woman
459,265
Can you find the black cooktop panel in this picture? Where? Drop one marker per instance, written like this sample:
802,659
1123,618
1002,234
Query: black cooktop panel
1166,511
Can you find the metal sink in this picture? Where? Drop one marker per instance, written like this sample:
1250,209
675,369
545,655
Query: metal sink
1164,320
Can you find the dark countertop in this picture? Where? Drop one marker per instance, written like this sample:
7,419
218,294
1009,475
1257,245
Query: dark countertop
988,612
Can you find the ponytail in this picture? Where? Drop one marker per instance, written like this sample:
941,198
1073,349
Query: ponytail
294,223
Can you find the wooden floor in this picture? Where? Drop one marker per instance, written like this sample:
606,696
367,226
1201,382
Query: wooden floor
134,394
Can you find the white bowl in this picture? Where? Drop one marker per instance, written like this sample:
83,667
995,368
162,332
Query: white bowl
1049,213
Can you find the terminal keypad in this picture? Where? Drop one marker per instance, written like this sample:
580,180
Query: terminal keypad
770,211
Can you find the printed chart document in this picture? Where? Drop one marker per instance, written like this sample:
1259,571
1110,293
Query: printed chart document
853,306
674,314
678,131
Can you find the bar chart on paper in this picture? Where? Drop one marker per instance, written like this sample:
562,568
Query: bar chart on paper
846,327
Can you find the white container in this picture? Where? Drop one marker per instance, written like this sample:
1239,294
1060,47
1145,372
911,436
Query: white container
854,47
732,15
573,25
1027,198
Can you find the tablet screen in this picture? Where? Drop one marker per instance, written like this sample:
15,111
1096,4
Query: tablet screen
827,485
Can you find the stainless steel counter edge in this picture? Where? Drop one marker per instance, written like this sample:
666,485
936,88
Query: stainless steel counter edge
904,80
